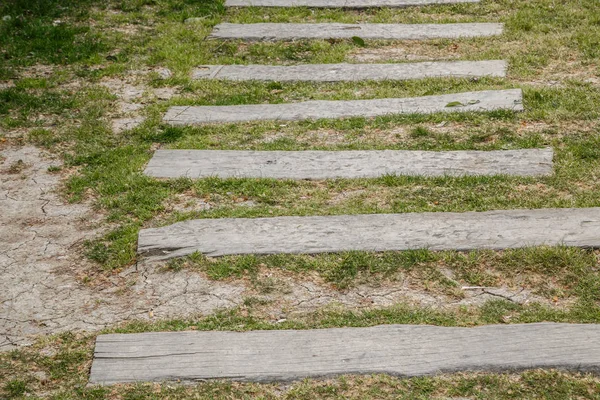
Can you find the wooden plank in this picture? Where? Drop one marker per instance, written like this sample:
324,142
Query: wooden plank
285,31
353,72
374,232
346,164
341,3
285,355
488,100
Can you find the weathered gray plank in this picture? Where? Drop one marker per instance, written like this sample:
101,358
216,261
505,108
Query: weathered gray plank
346,164
353,72
374,232
285,31
341,3
402,350
470,101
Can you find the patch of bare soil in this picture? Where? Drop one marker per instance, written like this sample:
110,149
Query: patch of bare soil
37,71
346,195
129,96
281,295
124,90
558,72
43,289
185,202
404,52
330,137
123,124
6,85
132,95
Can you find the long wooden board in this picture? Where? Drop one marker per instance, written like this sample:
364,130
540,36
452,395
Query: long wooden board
286,31
346,164
341,3
353,72
402,350
487,100
374,232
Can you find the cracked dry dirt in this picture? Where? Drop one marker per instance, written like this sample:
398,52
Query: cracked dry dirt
43,290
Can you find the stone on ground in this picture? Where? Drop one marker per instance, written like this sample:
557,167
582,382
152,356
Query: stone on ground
124,124
340,3
285,355
353,72
346,164
374,232
286,31
487,100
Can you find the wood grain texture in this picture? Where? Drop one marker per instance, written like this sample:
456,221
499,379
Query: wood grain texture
290,31
487,100
341,3
374,232
346,164
285,355
353,72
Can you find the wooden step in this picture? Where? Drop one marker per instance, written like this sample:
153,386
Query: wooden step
285,31
286,355
353,72
346,164
374,232
341,3
488,100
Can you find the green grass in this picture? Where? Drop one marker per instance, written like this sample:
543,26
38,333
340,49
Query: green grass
46,31
24,103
